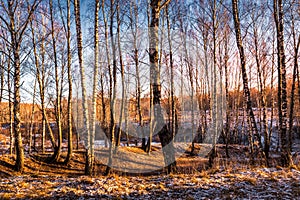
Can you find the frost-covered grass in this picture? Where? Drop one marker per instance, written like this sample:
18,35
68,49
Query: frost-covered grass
258,183
230,178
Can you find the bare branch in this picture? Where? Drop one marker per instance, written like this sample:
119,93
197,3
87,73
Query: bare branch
32,9
164,4
5,22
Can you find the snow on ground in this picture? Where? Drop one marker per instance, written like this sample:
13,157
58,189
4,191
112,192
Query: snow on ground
259,183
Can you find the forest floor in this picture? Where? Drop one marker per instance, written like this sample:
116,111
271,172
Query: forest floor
230,178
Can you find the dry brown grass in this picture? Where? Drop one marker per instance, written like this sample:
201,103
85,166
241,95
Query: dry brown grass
62,181
251,180
129,158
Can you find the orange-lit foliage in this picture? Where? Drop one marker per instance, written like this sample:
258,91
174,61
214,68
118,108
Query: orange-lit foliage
26,113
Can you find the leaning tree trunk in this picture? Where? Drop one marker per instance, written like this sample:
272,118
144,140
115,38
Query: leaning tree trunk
247,95
41,84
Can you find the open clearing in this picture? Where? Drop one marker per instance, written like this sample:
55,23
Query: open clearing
231,178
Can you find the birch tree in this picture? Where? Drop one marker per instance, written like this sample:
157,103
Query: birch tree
296,45
164,134
247,95
95,80
70,124
113,89
57,150
122,77
16,27
40,73
282,88
1,76
86,127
